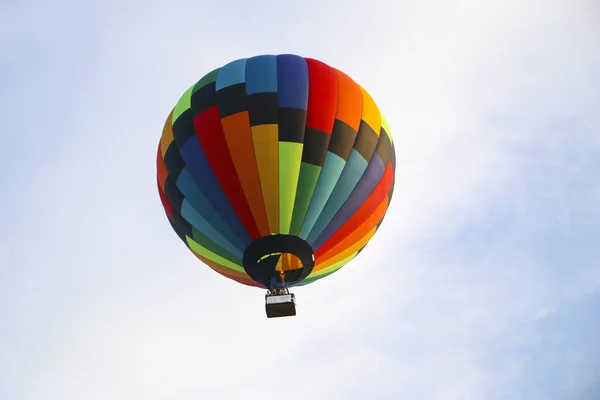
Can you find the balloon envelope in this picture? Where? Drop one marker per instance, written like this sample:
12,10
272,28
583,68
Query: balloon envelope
275,170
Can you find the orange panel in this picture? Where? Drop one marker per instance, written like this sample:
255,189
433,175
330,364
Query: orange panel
320,263
360,232
239,140
266,147
167,134
362,214
350,107
161,170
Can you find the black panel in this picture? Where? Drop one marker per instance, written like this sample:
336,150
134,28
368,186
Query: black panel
292,122
203,99
173,193
392,160
366,141
384,132
182,224
342,139
263,108
384,148
264,271
393,156
173,161
315,146
183,128
178,231
232,100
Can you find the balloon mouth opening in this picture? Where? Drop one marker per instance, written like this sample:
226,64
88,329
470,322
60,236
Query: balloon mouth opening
277,261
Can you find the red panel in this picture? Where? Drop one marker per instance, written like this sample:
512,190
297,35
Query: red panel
356,240
370,205
165,202
212,139
322,96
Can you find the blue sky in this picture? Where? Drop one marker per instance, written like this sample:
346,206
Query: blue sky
489,250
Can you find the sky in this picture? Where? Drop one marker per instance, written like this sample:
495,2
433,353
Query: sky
482,283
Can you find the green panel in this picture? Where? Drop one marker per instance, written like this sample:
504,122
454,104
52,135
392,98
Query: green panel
290,158
204,252
185,102
206,79
208,244
330,173
309,175
385,125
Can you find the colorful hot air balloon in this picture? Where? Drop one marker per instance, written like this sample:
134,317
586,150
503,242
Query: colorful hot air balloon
276,171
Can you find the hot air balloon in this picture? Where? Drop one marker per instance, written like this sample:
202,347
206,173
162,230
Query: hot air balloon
276,171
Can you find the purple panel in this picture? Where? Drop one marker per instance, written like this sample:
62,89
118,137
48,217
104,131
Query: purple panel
361,192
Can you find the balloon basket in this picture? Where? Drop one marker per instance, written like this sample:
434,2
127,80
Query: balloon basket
280,305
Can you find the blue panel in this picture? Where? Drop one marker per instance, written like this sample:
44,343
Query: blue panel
353,171
192,216
292,82
202,206
232,73
200,170
261,74
365,187
330,173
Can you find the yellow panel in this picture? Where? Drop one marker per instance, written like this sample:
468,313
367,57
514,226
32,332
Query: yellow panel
371,114
266,148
